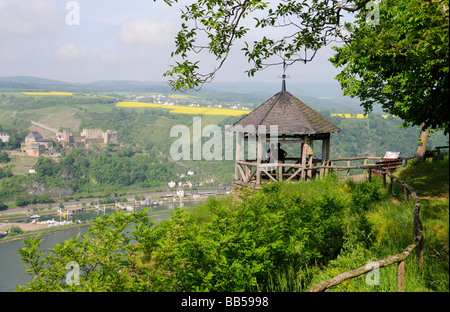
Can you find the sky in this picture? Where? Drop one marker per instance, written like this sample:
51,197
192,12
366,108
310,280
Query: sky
89,40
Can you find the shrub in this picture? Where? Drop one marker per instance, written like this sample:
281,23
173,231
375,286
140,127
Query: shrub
22,200
363,194
218,246
3,206
15,230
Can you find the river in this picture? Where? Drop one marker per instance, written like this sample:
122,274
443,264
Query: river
12,271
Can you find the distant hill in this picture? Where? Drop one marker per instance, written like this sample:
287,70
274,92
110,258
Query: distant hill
320,96
31,80
26,82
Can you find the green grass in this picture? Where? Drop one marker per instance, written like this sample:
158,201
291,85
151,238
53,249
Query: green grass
428,178
21,164
98,108
5,116
392,221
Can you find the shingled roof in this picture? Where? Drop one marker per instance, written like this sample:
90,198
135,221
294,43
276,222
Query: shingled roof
292,116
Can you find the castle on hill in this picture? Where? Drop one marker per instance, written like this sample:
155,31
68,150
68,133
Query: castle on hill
36,145
86,137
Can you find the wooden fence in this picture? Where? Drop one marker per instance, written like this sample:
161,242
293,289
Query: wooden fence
398,258
248,169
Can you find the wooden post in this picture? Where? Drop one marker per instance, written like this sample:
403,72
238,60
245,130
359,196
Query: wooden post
325,150
310,164
405,192
391,183
304,156
384,180
401,276
331,165
258,159
239,136
370,174
325,155
280,172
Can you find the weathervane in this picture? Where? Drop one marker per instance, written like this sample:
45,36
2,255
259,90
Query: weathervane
283,84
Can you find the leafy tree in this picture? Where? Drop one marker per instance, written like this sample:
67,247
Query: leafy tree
4,157
214,26
22,200
401,62
15,230
44,198
3,206
46,167
5,173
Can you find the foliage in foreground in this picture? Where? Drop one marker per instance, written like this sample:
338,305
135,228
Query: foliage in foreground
286,237
219,246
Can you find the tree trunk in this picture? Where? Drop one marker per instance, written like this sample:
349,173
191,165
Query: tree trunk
421,149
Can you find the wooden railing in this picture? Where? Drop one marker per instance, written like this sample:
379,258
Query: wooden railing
398,258
248,169
437,150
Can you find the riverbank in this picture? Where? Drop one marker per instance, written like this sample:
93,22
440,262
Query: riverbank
198,193
31,230
44,229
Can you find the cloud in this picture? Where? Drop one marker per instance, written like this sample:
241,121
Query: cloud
25,18
67,52
146,32
109,57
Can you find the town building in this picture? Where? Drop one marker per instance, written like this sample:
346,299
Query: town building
4,136
35,144
171,184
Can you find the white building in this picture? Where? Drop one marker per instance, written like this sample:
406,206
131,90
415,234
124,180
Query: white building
4,136
171,184
190,172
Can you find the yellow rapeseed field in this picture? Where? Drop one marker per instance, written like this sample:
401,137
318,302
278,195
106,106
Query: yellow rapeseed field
180,96
225,111
137,104
187,109
359,116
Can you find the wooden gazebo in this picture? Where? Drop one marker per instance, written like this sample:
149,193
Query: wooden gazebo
281,119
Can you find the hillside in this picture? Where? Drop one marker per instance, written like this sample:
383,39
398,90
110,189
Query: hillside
285,237
321,96
146,135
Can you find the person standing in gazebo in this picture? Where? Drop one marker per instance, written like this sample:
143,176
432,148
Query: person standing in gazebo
269,157
279,155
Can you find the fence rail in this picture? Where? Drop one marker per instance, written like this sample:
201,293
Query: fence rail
248,170
398,258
